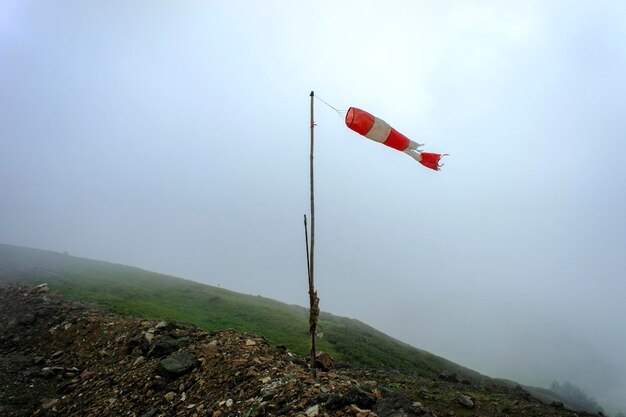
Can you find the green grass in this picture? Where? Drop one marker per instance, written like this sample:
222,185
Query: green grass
132,291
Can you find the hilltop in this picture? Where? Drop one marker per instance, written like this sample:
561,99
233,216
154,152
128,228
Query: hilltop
141,301
132,291
61,358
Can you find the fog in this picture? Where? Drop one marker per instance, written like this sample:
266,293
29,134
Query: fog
174,136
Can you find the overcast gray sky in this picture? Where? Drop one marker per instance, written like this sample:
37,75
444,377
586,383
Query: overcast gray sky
174,135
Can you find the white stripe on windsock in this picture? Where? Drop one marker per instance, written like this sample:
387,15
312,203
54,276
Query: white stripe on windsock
379,132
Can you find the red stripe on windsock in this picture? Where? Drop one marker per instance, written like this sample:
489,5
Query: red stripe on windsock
430,160
397,140
359,120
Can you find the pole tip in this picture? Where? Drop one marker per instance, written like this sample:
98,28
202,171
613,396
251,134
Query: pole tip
312,94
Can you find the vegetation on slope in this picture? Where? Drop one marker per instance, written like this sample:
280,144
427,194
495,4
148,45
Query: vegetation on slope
136,292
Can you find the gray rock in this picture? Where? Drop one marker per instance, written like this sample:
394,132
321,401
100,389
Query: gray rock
150,413
449,376
313,411
42,288
465,401
398,406
169,326
26,320
49,372
270,390
48,404
134,341
355,395
167,345
176,364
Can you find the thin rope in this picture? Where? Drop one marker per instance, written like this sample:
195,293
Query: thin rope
341,113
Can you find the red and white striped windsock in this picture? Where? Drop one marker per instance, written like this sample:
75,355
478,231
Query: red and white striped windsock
379,131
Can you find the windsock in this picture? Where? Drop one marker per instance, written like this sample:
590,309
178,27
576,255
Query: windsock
379,131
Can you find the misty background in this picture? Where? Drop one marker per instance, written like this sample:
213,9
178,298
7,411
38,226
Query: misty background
174,136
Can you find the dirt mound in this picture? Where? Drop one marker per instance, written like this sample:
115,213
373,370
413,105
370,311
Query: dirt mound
59,358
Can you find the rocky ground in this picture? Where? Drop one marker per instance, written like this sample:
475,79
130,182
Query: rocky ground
59,358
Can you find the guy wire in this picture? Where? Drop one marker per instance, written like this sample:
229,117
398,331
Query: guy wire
341,113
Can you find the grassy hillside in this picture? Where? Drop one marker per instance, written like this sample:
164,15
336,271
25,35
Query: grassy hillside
132,291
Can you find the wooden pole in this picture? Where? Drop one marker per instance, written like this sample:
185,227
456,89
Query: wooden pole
306,242
314,300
